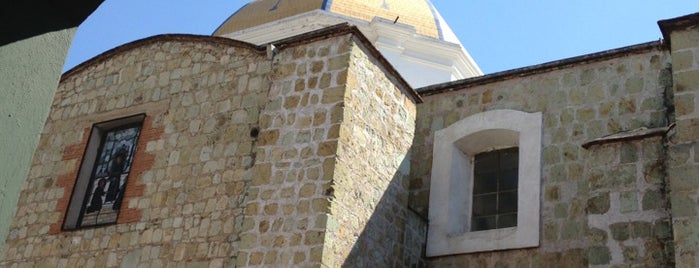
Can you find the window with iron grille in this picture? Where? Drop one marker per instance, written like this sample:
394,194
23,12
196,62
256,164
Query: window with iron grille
495,189
483,195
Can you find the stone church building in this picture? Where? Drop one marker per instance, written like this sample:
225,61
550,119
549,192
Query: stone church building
357,133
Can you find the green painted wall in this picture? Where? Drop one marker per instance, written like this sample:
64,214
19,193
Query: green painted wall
29,74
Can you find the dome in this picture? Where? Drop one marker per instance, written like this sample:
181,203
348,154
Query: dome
420,14
410,34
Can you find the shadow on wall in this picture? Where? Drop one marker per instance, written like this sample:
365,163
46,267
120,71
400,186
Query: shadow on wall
394,236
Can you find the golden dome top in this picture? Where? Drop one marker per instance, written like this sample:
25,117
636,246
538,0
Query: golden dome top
417,13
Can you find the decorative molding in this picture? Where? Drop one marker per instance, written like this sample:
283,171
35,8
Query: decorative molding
451,182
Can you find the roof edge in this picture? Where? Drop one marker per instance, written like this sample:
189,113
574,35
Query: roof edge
155,39
343,29
539,68
680,23
305,38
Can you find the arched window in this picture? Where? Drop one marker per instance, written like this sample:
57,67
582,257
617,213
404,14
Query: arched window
486,181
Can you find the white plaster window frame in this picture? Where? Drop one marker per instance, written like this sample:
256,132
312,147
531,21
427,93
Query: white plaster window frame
77,197
452,182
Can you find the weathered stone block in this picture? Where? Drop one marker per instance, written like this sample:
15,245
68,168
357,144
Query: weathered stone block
587,76
620,231
552,154
633,85
686,81
268,137
631,254
607,109
550,231
560,211
598,204
627,105
598,236
687,130
618,177
683,205
584,115
325,81
552,193
652,199
652,104
685,234
684,39
291,102
602,156
598,255
684,178
629,202
333,95
641,229
653,173
629,153
572,230
338,62
678,157
662,229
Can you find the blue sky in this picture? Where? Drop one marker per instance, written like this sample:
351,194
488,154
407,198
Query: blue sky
499,34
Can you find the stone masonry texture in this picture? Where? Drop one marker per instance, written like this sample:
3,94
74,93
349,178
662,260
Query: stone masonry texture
683,167
200,99
591,203
288,204
318,154
369,208
244,160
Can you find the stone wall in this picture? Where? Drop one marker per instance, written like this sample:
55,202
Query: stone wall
581,103
288,202
185,203
683,170
369,206
244,159
317,155
628,220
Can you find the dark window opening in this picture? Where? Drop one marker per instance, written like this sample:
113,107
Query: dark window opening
494,203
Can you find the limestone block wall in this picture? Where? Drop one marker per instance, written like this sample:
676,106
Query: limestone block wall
243,159
288,202
581,103
683,168
186,192
628,220
369,185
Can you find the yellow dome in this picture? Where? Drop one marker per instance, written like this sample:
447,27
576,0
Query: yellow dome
417,13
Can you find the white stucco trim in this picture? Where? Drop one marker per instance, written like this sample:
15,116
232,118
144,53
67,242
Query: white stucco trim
451,184
421,60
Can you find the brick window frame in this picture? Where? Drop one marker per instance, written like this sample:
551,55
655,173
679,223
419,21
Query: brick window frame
134,187
452,182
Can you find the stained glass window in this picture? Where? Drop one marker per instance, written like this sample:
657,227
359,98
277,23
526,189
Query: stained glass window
98,192
495,189
105,190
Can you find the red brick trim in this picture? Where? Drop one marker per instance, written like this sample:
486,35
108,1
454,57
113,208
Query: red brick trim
143,162
67,181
